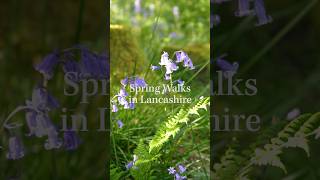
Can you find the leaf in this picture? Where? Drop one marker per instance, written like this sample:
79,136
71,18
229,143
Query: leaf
268,157
298,141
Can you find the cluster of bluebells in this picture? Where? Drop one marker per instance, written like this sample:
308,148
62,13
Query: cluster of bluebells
91,65
178,173
37,109
245,8
121,99
172,66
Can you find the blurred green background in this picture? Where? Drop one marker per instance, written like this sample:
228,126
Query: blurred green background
283,57
29,30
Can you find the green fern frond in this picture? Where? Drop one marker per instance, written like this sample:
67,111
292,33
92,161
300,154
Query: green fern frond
172,126
148,154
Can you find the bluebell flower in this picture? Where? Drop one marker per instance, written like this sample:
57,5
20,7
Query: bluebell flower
179,177
182,169
180,56
120,124
183,57
104,66
188,64
126,105
71,140
124,81
172,170
137,82
170,67
214,20
243,8
114,108
129,165
175,11
131,105
132,163
71,66
122,92
122,100
180,82
226,67
154,68
137,6
16,150
261,14
164,59
46,67
52,102
42,100
167,77
89,63
53,141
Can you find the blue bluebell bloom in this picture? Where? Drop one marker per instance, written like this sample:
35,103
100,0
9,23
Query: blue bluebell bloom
46,67
71,140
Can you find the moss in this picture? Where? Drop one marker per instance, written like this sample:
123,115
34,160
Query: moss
126,56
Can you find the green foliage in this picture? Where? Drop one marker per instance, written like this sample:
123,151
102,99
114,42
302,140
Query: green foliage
147,155
295,134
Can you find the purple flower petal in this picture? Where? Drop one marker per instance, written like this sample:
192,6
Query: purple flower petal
46,67
71,140
114,108
243,8
16,150
260,11
172,170
53,141
182,169
155,68
120,124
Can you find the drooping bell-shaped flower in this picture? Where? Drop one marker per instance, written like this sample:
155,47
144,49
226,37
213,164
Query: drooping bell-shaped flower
167,77
16,150
89,63
181,168
122,92
175,11
120,124
188,64
155,68
71,140
131,105
53,141
180,56
132,163
164,59
137,82
170,67
243,8
114,108
171,170
124,81
263,17
46,67
227,67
